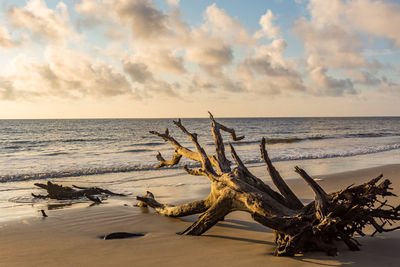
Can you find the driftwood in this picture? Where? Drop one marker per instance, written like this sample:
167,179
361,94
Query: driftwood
55,191
298,228
43,213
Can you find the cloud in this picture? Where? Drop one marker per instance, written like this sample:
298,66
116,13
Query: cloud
331,45
379,18
210,55
6,89
264,65
37,18
383,84
211,45
376,18
94,11
176,47
338,26
161,60
173,3
219,24
143,18
334,38
388,86
5,39
65,73
267,71
267,28
138,72
329,86
150,85
150,51
198,83
78,72
366,78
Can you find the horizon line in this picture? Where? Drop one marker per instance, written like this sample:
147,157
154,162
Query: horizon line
205,117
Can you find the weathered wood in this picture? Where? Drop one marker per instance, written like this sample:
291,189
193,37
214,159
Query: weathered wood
291,198
321,198
298,228
43,213
55,191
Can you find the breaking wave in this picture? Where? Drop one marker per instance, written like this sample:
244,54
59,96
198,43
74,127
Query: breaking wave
117,169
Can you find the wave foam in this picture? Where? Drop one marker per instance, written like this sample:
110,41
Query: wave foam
117,169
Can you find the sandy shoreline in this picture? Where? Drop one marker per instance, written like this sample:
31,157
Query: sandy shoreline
69,237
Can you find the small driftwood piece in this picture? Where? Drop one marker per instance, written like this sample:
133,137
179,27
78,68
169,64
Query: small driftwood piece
43,213
55,191
298,228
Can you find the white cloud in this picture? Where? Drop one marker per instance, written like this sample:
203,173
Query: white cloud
266,71
65,73
219,24
5,39
267,27
334,38
37,18
331,45
153,51
94,13
173,3
379,18
172,45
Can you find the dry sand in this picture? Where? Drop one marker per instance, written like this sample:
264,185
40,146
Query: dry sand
69,237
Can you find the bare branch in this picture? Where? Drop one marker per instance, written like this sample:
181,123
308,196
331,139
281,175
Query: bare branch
208,219
178,148
285,190
321,198
223,162
228,130
199,172
237,158
173,211
255,181
173,161
205,161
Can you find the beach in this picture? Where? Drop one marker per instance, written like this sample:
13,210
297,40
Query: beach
211,107
119,155
70,236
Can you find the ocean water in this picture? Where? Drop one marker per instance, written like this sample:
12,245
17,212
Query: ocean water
42,149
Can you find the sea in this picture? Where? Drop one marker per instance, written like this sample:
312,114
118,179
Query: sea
120,153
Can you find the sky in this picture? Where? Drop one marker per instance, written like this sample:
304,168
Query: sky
171,58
